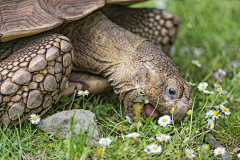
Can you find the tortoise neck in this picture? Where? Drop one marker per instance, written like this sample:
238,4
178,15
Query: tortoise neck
102,47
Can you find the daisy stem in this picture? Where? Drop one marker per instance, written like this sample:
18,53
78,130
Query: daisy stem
191,117
175,127
213,102
75,89
204,105
209,75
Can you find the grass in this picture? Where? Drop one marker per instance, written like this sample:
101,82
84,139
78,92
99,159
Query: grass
215,29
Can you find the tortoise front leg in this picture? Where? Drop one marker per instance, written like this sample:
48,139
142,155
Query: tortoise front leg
33,76
158,26
86,81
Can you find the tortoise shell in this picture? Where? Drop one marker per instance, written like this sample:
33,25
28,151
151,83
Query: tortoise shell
20,18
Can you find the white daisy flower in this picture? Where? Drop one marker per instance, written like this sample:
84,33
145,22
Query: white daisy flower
192,84
212,114
83,93
208,92
189,153
163,137
34,118
220,90
153,148
66,85
210,124
225,110
219,151
133,135
129,119
196,62
238,155
205,148
105,141
164,120
216,85
202,86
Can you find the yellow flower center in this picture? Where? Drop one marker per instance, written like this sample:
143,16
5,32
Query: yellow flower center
202,86
82,92
154,147
132,135
189,154
219,152
135,139
34,118
164,119
190,112
220,90
163,138
209,125
188,128
99,151
207,148
105,141
215,113
66,87
238,73
196,63
224,109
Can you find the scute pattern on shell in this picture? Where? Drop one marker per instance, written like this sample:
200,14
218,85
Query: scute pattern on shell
29,83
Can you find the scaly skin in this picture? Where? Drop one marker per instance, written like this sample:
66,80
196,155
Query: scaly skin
32,78
132,65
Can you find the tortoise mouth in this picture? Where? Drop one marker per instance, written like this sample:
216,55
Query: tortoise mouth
150,111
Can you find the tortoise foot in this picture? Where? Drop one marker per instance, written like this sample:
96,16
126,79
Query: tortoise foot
33,76
95,84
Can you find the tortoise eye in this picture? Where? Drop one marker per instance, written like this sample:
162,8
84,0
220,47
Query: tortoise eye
172,92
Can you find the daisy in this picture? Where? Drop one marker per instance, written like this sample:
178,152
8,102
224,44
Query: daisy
202,86
212,114
163,137
210,124
66,85
83,93
238,155
219,151
220,90
238,74
189,153
220,71
34,118
205,148
216,85
105,141
196,62
225,110
129,119
133,135
164,120
153,148
208,92
189,112
192,84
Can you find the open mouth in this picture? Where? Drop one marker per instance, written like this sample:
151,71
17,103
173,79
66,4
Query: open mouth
150,111
143,110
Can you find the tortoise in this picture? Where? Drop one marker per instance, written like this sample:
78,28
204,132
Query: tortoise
94,45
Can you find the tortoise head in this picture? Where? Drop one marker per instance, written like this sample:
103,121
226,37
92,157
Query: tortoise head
157,84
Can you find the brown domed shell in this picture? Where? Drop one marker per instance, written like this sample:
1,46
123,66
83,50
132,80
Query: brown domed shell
20,18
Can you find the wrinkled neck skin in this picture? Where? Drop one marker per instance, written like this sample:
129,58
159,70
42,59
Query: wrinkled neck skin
132,65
